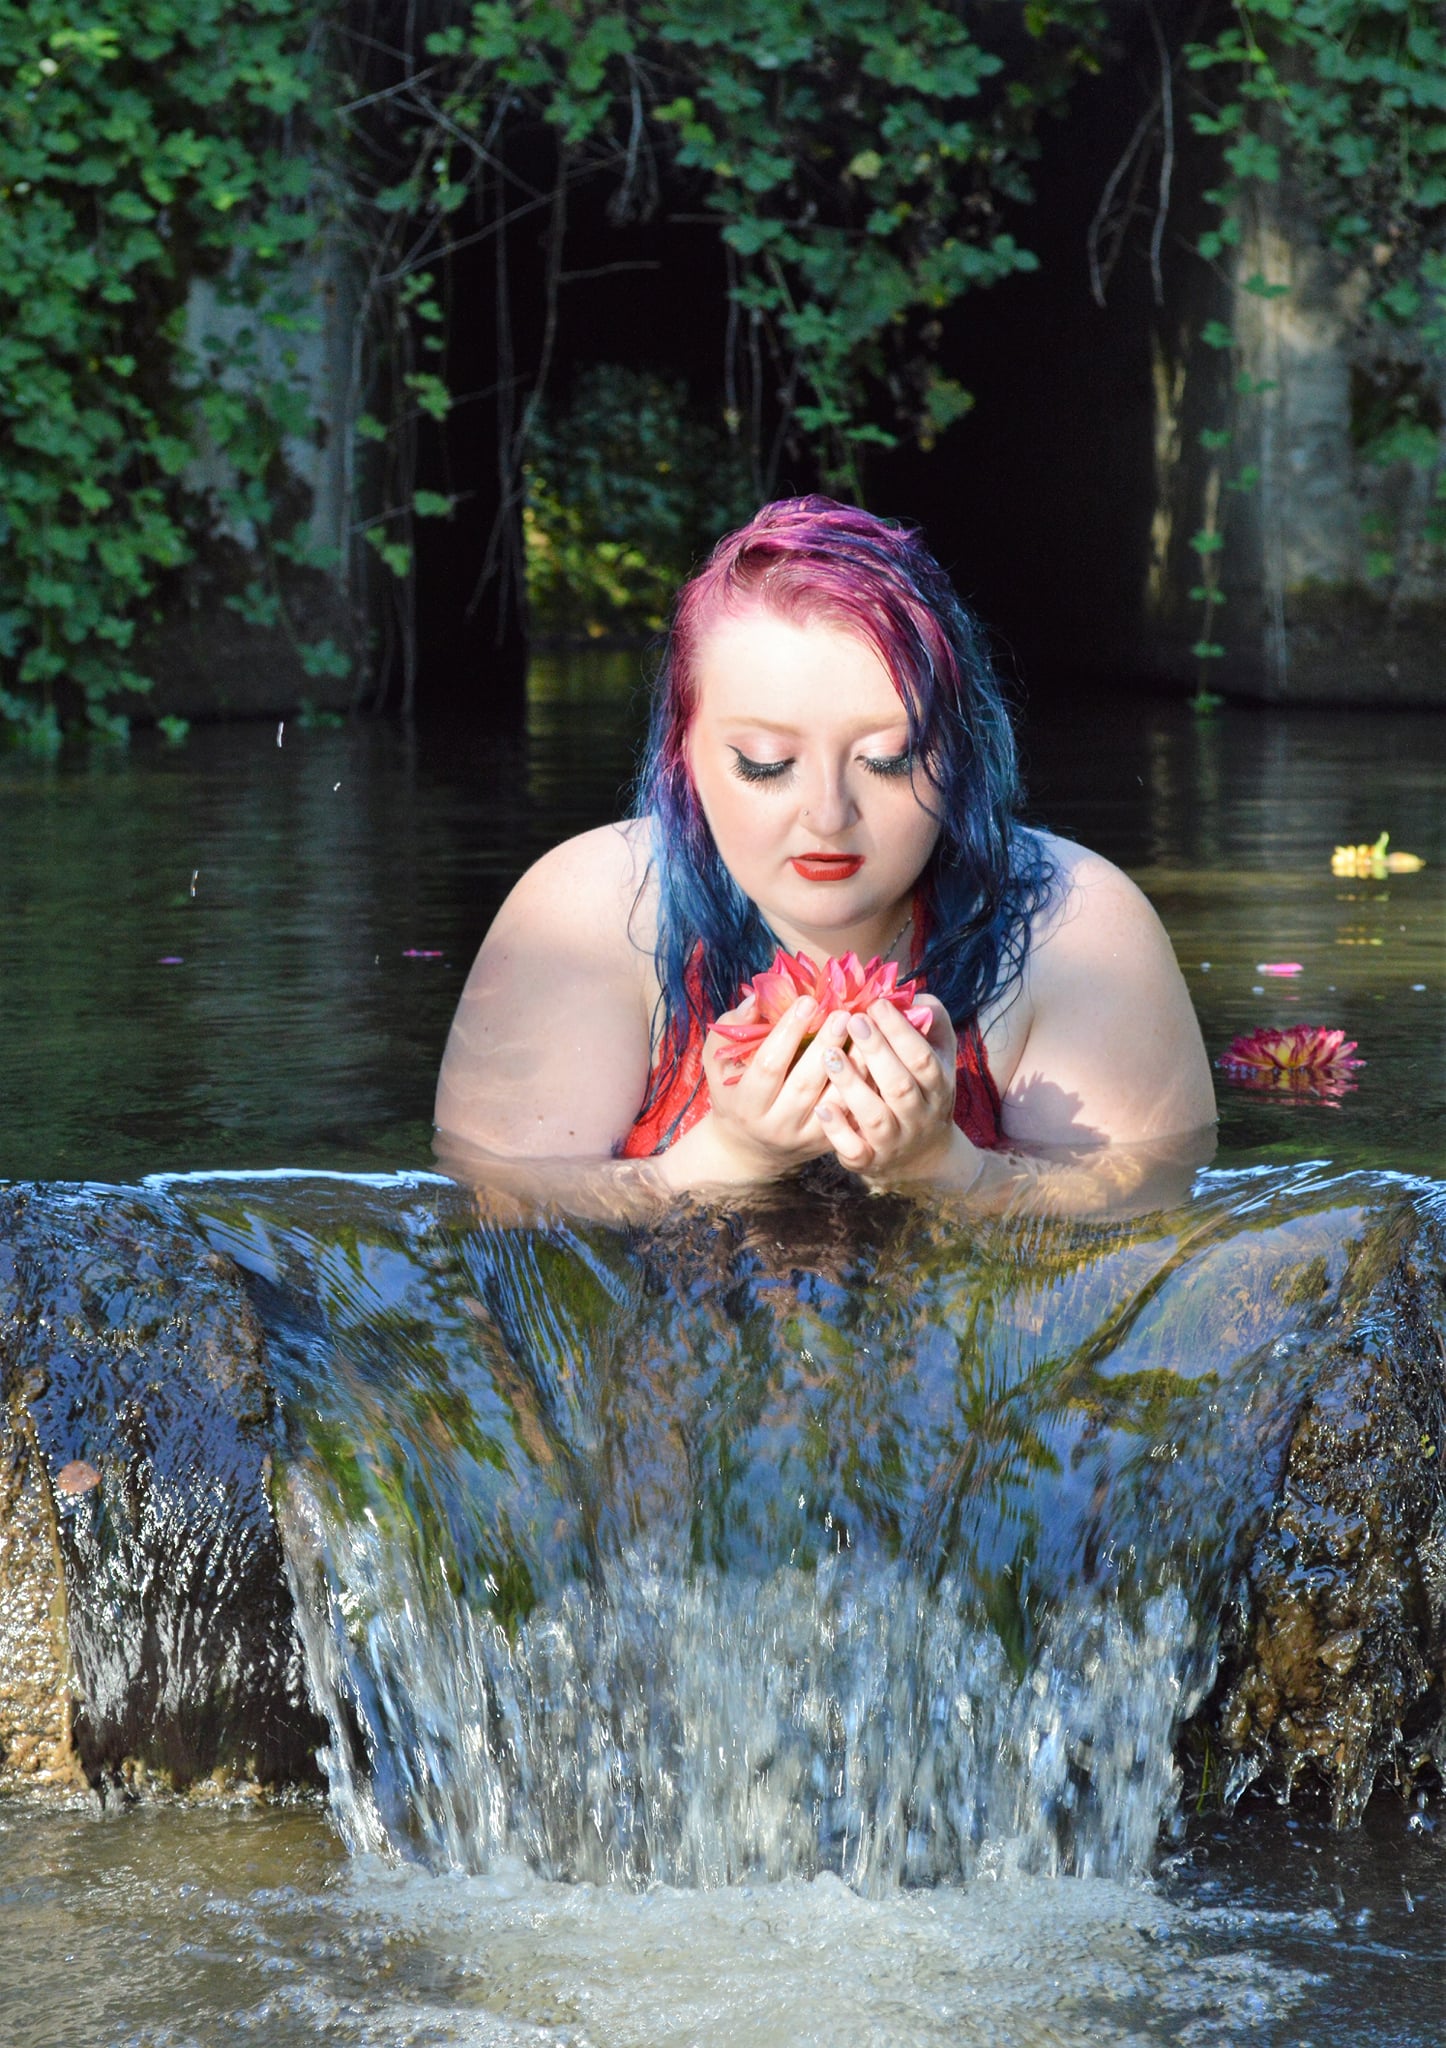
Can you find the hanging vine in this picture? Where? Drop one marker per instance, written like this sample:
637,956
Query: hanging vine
144,144
855,159
1347,100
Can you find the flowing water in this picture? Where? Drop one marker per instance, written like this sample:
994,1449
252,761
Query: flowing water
772,1626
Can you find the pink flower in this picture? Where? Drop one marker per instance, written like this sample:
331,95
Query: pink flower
844,984
1295,1059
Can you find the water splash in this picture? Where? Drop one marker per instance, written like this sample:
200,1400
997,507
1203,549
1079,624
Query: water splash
697,1729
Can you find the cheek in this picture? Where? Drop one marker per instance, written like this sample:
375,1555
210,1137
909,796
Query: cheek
724,802
914,821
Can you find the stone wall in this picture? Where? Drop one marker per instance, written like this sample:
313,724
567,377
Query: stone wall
1335,593
205,659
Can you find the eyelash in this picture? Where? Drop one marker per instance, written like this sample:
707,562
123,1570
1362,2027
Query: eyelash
886,766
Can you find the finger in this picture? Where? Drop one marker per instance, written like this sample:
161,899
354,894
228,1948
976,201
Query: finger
875,1118
940,1033
898,1059
851,1147
767,1068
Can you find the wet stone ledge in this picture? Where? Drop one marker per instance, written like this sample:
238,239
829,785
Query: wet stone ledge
36,1749
146,1634
1333,1664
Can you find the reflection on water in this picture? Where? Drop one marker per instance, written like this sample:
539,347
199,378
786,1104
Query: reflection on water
292,883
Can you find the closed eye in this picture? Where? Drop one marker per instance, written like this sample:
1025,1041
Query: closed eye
890,764
760,771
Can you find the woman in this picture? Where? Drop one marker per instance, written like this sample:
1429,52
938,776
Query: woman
831,769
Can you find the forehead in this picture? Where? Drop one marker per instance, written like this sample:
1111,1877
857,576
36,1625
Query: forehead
756,665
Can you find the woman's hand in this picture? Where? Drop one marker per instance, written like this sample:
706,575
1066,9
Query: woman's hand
762,1121
888,1108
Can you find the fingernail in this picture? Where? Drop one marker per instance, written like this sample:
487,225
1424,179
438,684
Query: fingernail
824,1113
803,1008
862,1029
833,1061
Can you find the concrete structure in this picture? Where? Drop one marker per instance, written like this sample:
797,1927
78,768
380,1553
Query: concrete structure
1334,590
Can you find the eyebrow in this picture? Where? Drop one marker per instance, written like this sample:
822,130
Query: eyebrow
794,732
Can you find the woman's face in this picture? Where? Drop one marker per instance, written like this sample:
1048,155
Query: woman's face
799,751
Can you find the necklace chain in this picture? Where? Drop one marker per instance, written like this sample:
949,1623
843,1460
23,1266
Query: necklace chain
893,944
888,951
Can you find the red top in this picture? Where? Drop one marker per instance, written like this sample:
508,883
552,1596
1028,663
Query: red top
678,1107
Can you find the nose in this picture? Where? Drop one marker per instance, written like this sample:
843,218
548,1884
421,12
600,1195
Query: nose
829,805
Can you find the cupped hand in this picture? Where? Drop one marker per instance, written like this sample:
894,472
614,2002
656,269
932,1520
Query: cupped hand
763,1107
761,1121
888,1108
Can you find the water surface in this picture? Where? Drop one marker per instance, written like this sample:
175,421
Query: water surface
243,955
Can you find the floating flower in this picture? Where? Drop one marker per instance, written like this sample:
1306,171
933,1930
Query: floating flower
844,984
1373,863
1302,1060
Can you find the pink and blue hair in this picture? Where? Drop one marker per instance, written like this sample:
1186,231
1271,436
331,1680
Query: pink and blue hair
811,559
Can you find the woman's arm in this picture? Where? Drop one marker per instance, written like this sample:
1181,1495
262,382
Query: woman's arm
548,1052
1102,1044
547,1061
1107,1101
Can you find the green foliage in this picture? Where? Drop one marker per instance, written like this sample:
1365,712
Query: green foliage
140,149
1352,94
627,487
853,156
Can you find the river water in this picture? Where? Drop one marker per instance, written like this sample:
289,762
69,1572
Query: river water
853,1573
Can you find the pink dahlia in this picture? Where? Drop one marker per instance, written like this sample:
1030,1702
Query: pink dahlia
1296,1059
845,984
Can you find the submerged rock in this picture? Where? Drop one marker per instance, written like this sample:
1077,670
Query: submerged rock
1333,1662
146,1629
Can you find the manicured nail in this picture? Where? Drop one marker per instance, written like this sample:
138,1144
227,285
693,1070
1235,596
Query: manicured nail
824,1113
803,1009
833,1061
862,1029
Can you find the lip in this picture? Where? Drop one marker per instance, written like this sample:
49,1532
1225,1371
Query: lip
827,867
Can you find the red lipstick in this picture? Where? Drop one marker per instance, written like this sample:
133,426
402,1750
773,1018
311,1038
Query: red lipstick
827,867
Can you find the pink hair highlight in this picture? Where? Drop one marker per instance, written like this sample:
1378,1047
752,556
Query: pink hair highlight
808,560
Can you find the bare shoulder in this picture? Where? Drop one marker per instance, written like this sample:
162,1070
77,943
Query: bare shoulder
549,1050
594,886
1093,904
1105,1046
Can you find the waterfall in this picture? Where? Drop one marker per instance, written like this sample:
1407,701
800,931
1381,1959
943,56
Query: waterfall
822,1540
694,1729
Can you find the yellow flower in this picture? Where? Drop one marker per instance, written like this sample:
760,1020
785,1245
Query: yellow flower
1373,863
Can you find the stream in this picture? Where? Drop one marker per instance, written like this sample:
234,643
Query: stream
772,1625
